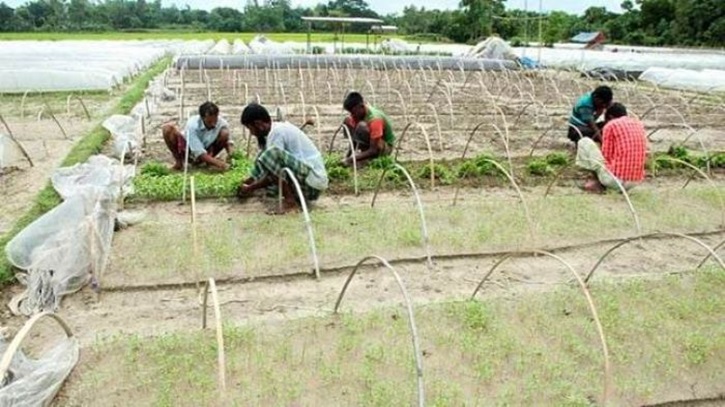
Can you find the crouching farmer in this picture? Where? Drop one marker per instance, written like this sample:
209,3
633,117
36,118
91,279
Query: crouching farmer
282,146
623,154
371,131
584,115
206,134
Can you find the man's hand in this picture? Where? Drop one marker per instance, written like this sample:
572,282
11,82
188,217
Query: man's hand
347,162
245,191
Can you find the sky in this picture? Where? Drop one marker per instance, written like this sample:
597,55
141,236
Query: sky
390,6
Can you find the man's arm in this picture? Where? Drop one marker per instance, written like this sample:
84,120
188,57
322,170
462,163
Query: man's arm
597,133
196,148
214,162
377,143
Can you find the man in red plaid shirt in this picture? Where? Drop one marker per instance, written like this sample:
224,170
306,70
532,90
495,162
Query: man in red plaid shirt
623,154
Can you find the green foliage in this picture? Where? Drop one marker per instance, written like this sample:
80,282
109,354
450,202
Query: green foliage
479,166
679,152
336,171
383,162
155,169
717,160
539,167
157,183
442,174
557,159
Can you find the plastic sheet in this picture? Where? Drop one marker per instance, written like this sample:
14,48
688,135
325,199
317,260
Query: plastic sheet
123,129
492,48
239,47
341,61
221,48
263,45
705,80
396,45
35,382
61,250
82,65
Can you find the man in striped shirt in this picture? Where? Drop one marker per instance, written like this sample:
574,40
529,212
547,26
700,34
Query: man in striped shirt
623,155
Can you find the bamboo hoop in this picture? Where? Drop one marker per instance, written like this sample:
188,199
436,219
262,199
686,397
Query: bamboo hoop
590,302
14,345
210,285
308,221
411,319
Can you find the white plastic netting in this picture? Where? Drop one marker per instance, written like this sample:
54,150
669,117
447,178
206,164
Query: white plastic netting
263,45
221,48
69,246
126,140
492,48
35,382
239,47
396,45
705,80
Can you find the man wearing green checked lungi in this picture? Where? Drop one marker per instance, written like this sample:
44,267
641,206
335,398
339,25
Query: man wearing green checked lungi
282,145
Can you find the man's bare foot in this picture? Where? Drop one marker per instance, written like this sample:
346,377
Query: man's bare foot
178,166
594,187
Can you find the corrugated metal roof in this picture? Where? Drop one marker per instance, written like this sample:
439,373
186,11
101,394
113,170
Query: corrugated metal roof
384,28
585,37
362,20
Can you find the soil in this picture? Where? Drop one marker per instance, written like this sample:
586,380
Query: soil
47,147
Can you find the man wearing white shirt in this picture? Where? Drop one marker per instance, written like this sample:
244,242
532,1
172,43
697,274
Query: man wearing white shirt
206,134
283,145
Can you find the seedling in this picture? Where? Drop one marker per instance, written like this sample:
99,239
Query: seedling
539,167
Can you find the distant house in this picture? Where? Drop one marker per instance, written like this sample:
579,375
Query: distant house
593,40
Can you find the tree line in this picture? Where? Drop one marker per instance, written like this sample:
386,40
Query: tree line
643,22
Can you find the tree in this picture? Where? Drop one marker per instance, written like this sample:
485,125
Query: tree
8,21
225,19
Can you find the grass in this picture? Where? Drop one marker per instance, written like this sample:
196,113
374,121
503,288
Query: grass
241,241
90,144
186,35
539,349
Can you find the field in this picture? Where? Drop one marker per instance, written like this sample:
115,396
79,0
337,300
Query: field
182,35
516,287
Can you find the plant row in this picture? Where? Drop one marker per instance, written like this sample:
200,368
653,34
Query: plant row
157,182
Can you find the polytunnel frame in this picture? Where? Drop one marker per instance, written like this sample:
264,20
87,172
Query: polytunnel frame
411,318
17,142
590,303
423,224
14,345
306,214
509,175
704,175
626,241
715,249
210,285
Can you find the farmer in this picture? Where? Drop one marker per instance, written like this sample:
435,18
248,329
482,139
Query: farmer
371,131
282,146
585,113
207,135
623,153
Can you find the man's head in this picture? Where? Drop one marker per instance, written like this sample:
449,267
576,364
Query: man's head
209,113
602,97
615,111
257,120
355,104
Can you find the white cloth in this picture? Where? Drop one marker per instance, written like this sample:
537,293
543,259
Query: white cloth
291,139
589,157
199,137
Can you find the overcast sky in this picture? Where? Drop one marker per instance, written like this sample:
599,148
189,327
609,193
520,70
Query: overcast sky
392,6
